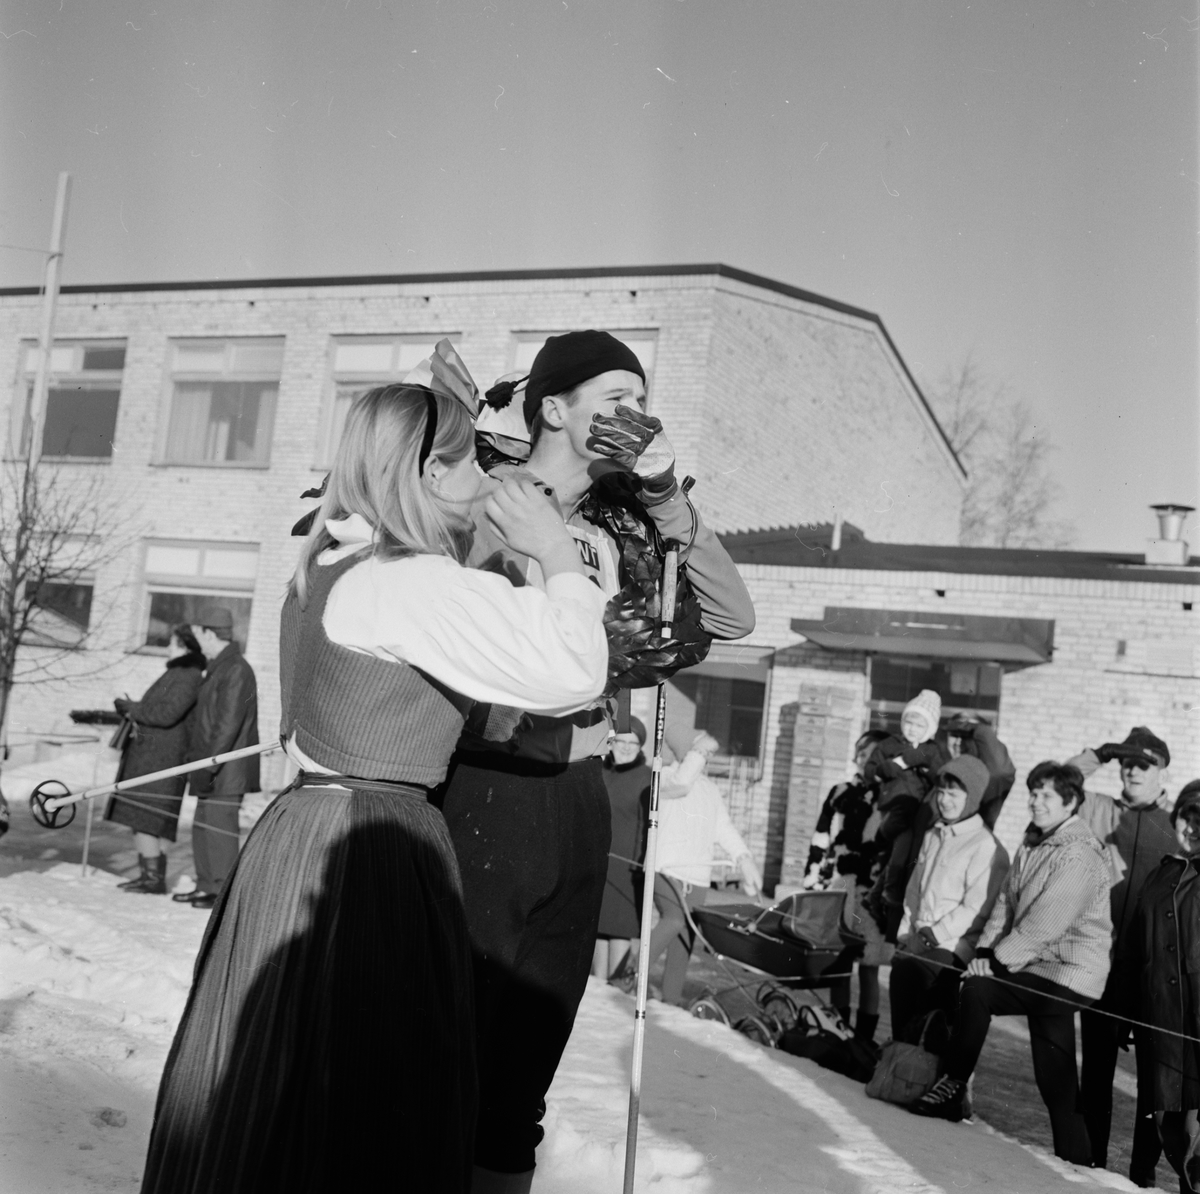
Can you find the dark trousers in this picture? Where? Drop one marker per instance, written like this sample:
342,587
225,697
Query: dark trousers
532,845
922,983
1051,1012
215,840
673,933
1180,1133
1101,1037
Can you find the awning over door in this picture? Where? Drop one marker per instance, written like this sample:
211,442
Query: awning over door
1017,642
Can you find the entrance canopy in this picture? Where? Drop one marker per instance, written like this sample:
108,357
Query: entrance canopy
1014,642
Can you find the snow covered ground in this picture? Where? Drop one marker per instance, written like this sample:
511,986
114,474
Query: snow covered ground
92,982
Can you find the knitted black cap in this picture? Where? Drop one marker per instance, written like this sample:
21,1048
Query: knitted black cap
1147,744
569,360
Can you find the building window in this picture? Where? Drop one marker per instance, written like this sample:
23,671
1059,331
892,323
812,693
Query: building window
726,695
82,396
62,614
966,687
223,396
359,363
186,580
526,346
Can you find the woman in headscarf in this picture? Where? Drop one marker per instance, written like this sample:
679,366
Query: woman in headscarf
161,720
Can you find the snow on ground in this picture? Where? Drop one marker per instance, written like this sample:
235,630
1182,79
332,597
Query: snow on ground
93,981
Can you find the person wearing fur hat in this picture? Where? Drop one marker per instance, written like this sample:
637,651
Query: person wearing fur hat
1043,954
904,767
1164,949
949,897
627,779
525,800
1136,832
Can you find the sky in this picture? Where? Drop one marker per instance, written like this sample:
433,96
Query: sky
1017,184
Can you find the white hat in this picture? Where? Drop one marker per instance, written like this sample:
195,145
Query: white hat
928,706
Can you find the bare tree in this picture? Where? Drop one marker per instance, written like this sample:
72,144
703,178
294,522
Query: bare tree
56,532
1011,495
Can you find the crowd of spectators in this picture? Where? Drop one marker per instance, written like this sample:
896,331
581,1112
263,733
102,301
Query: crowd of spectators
1097,914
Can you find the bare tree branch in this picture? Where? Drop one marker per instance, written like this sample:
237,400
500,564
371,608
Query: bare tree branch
1011,495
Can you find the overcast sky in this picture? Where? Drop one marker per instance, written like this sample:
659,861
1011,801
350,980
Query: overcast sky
1014,182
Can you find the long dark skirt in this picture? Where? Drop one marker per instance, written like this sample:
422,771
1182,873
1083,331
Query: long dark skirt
327,1043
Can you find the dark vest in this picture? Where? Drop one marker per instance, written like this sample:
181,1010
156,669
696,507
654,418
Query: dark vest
357,714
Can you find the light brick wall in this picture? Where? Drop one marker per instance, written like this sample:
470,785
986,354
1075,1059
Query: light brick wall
259,505
1089,694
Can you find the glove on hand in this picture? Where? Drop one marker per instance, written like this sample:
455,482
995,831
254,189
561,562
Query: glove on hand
636,442
122,705
1109,751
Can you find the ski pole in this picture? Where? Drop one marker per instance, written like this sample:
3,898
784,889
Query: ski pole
48,807
670,569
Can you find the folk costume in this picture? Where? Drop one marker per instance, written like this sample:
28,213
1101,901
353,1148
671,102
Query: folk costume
327,1042
525,800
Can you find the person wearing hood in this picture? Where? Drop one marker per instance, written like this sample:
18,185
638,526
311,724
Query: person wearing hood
968,734
949,897
904,767
1136,832
1043,954
1164,948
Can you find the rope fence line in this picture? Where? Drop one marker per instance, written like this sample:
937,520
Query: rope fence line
996,978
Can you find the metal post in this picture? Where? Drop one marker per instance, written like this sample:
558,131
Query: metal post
670,570
87,838
36,419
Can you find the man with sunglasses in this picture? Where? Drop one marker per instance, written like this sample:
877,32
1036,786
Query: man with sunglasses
1136,830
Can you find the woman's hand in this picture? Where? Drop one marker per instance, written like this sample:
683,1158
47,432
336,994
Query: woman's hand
751,876
526,521
979,968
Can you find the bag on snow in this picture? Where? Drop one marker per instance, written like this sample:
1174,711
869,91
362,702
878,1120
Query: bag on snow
821,1036
907,1070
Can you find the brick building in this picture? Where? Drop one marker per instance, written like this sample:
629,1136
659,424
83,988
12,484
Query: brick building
209,407
1061,650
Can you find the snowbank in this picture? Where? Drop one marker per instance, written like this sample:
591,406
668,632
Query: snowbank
92,982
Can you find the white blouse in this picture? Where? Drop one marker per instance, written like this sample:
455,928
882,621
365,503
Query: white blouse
473,631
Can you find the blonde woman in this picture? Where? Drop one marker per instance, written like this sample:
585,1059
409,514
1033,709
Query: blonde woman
328,1039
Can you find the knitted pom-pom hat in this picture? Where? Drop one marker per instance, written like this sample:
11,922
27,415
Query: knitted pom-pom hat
928,706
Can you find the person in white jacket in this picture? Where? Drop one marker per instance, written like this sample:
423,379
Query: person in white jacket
950,894
692,820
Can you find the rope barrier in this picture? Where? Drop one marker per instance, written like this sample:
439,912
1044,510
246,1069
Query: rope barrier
1081,1007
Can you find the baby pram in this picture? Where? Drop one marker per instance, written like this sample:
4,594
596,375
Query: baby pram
800,943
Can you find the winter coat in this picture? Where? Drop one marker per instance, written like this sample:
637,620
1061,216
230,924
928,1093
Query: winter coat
838,846
1135,840
226,719
690,826
162,721
1164,945
1052,916
953,886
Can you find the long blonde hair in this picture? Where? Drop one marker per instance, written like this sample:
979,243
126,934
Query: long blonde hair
376,475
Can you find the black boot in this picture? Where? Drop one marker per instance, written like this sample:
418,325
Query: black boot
153,877
865,1025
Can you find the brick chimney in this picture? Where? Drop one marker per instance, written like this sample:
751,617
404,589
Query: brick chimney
1169,548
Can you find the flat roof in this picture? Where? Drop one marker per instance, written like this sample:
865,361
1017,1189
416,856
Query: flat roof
811,547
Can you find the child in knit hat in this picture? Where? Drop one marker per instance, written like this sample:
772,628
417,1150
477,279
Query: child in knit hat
903,766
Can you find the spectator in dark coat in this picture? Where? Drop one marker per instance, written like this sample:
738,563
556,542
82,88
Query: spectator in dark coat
627,780
161,721
973,736
226,719
1165,949
1136,832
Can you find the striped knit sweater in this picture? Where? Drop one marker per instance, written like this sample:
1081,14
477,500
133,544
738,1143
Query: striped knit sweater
1052,916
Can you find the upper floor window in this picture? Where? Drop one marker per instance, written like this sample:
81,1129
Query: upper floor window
82,396
223,396
526,346
359,363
